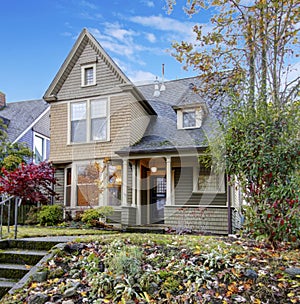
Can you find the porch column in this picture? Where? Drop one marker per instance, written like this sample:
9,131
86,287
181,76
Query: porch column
138,194
124,182
133,184
169,181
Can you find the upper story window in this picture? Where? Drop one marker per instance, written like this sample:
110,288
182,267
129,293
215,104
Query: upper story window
89,121
88,75
40,148
189,119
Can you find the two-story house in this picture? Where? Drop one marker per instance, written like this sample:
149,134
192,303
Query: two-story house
135,148
28,122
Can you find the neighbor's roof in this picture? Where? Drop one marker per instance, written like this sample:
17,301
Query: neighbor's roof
21,116
162,134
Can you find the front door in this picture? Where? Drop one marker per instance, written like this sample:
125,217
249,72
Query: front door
157,199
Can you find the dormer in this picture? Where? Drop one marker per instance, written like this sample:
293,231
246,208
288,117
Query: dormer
190,116
191,109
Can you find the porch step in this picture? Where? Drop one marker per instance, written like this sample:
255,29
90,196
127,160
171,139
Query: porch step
144,229
13,271
5,286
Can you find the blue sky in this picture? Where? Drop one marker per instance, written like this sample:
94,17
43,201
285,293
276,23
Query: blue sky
37,35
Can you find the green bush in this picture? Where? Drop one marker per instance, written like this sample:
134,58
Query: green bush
91,215
50,215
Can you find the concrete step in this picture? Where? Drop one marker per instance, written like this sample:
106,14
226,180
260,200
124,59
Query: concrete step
13,271
21,256
5,286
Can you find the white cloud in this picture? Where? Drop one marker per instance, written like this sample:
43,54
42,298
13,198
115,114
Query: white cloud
88,4
141,77
164,23
115,30
150,37
148,3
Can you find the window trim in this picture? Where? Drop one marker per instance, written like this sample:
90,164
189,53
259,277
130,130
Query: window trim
199,115
83,73
88,120
220,176
45,139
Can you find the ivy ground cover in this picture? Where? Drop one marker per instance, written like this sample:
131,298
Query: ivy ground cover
134,268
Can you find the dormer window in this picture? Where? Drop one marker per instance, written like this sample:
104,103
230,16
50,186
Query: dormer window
189,119
190,116
88,75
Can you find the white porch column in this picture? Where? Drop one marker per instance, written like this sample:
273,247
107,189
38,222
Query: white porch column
133,184
124,182
138,194
169,181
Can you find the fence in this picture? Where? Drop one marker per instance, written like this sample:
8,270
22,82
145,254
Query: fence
8,213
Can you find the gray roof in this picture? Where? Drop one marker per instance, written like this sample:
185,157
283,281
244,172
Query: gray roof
21,115
162,134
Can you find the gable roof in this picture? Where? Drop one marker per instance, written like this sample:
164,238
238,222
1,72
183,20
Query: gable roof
21,116
84,38
162,134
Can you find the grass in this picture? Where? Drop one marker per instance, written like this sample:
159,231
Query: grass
36,231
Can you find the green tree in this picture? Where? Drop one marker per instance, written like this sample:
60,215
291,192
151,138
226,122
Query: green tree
249,47
248,54
11,154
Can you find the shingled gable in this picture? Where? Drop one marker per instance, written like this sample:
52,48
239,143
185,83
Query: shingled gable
124,84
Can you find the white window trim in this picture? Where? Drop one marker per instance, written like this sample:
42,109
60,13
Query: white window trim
88,121
83,68
45,138
198,117
221,178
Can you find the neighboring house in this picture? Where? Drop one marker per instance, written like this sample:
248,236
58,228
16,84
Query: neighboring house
135,148
28,122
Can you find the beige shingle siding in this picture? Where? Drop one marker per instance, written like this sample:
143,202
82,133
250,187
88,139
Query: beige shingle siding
139,122
106,80
209,220
120,131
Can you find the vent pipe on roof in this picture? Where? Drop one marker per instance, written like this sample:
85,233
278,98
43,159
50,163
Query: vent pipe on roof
163,87
156,88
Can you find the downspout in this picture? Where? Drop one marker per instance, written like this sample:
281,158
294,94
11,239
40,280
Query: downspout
229,208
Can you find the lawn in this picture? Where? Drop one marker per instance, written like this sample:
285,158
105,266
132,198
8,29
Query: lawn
152,268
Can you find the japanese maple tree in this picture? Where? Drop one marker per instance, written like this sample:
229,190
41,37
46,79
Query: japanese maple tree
30,182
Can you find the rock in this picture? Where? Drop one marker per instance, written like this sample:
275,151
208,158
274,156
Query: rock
70,292
38,298
76,247
40,276
68,302
293,271
55,298
251,274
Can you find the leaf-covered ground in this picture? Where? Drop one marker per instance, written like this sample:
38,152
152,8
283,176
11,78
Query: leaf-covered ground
135,268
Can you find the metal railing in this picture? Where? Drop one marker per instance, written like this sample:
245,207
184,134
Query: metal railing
8,200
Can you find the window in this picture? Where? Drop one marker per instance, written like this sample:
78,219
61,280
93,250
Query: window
89,121
98,120
40,148
189,119
88,75
114,184
99,183
78,122
205,181
89,184
68,182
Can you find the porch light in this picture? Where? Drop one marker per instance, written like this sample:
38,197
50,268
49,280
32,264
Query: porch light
153,169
